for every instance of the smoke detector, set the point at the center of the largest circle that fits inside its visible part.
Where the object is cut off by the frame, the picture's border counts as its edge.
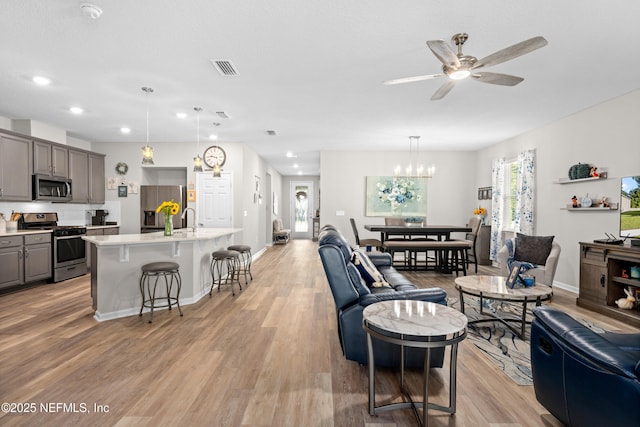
(90, 10)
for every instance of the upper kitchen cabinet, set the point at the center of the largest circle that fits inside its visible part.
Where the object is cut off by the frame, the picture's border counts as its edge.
(15, 168)
(96, 178)
(50, 159)
(86, 171)
(79, 174)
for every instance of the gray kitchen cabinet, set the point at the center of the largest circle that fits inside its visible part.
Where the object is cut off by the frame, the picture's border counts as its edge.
(24, 259)
(15, 168)
(96, 178)
(50, 159)
(11, 261)
(79, 174)
(37, 257)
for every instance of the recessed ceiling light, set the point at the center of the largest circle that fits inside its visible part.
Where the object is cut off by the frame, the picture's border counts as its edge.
(290, 154)
(213, 137)
(76, 110)
(125, 130)
(91, 10)
(299, 172)
(295, 165)
(181, 115)
(42, 81)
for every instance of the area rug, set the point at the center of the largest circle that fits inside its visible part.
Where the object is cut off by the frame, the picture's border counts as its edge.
(497, 342)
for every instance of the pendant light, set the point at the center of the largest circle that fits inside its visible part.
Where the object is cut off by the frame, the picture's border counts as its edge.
(147, 151)
(419, 168)
(197, 160)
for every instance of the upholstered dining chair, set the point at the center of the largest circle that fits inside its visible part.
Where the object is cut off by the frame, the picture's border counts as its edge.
(364, 242)
(472, 237)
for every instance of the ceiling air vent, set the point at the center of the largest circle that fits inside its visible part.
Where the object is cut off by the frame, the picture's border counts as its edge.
(271, 132)
(223, 115)
(225, 67)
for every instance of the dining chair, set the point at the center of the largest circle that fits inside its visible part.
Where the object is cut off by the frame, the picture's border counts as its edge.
(364, 242)
(472, 237)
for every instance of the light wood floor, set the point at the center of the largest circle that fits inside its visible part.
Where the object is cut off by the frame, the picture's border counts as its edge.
(268, 357)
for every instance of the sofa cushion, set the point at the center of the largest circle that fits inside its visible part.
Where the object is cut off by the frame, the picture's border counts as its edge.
(367, 269)
(533, 249)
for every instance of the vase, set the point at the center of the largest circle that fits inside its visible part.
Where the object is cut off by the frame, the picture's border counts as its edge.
(168, 225)
(481, 218)
(396, 209)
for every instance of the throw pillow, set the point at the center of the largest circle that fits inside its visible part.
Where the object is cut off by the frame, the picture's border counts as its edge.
(533, 249)
(367, 269)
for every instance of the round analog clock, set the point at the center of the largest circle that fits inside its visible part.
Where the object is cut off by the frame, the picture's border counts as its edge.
(214, 155)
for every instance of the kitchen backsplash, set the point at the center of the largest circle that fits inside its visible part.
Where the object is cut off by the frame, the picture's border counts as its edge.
(68, 213)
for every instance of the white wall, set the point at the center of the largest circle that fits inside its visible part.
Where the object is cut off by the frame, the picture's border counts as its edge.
(451, 193)
(606, 136)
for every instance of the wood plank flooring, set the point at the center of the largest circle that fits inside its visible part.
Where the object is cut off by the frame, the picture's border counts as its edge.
(267, 357)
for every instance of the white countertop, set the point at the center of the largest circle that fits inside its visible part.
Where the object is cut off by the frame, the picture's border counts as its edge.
(182, 235)
(24, 232)
(98, 227)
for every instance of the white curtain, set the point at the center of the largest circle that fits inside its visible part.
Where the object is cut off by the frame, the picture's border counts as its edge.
(497, 207)
(525, 195)
(525, 199)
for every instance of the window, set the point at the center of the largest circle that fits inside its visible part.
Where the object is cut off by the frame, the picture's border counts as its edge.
(510, 192)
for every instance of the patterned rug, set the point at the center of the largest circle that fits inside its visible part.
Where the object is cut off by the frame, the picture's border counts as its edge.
(499, 343)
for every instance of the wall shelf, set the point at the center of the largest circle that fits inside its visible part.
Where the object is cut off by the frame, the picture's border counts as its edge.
(612, 207)
(603, 175)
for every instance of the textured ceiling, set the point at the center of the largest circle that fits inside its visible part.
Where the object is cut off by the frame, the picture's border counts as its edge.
(310, 70)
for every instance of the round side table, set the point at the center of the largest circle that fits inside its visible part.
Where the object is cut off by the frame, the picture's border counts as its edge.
(416, 324)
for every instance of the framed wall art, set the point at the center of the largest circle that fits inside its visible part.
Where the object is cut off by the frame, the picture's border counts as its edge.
(396, 196)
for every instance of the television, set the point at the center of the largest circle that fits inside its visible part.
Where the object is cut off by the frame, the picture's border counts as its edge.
(630, 208)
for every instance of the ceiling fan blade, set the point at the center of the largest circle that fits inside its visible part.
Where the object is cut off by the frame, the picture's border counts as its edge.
(497, 79)
(443, 52)
(412, 79)
(443, 90)
(511, 52)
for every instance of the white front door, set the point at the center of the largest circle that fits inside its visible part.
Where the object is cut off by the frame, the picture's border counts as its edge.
(214, 200)
(301, 207)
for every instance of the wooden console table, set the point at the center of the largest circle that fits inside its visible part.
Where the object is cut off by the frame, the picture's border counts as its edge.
(601, 281)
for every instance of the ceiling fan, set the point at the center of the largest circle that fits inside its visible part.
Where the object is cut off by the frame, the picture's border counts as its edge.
(459, 66)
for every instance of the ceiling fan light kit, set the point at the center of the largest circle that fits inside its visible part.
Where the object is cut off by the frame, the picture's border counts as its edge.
(458, 66)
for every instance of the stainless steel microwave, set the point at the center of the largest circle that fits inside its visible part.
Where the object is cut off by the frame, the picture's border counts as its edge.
(51, 188)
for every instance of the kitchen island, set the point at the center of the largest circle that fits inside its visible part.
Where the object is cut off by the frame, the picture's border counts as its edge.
(116, 262)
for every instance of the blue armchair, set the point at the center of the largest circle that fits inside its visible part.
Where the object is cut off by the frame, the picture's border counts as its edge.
(351, 295)
(581, 377)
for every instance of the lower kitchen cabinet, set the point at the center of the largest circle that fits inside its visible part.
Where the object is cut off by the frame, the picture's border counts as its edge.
(25, 259)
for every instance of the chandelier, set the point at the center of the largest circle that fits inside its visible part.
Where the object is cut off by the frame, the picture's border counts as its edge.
(197, 161)
(147, 151)
(414, 168)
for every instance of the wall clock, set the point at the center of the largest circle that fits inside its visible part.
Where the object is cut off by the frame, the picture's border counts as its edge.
(214, 155)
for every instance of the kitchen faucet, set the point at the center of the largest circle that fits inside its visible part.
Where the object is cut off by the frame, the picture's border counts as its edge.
(184, 215)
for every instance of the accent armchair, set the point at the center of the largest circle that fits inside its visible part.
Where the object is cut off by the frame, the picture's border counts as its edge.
(544, 273)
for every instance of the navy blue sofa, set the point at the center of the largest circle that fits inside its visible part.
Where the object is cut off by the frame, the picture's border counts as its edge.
(581, 377)
(351, 295)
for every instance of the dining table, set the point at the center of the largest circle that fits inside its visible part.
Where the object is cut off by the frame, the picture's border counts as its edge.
(440, 232)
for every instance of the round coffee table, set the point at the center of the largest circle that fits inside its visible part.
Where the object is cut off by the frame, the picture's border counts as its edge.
(495, 287)
(417, 324)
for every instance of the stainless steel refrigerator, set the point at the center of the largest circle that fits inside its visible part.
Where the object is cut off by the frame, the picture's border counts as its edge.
(151, 196)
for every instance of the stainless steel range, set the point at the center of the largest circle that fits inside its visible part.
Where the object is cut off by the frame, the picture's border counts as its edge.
(69, 250)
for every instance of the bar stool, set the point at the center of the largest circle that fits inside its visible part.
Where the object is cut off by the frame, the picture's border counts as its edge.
(166, 270)
(224, 258)
(244, 266)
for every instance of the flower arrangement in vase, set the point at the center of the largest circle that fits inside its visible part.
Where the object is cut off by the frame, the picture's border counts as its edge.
(168, 209)
(480, 213)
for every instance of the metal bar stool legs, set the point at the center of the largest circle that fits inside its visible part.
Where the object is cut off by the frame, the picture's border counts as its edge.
(222, 260)
(169, 271)
(244, 265)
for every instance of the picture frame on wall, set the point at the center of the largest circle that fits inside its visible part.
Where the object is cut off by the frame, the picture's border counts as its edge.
(122, 191)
